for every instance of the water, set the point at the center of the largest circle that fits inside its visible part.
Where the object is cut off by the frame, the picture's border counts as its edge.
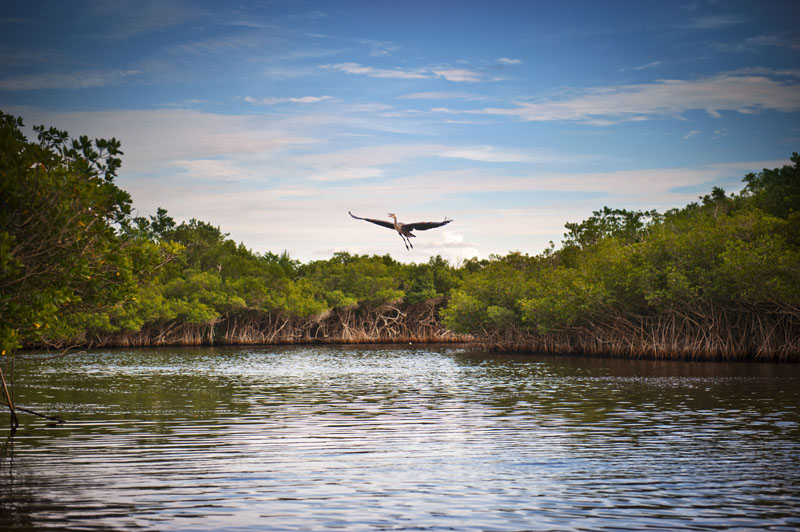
(387, 438)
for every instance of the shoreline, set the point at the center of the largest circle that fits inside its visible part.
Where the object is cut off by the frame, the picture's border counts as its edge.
(33, 352)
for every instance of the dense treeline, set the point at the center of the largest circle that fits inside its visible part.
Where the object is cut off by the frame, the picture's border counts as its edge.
(216, 291)
(719, 278)
(716, 279)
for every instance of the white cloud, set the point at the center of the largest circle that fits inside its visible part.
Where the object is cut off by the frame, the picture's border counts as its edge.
(154, 138)
(363, 162)
(458, 74)
(212, 169)
(645, 186)
(690, 134)
(380, 48)
(285, 72)
(490, 154)
(301, 99)
(651, 64)
(452, 238)
(609, 105)
(355, 68)
(186, 103)
(370, 157)
(450, 74)
(346, 174)
(441, 95)
(508, 61)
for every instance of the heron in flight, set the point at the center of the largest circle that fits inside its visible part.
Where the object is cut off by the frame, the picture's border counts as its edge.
(404, 230)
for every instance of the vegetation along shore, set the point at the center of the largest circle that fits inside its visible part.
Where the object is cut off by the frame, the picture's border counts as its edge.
(716, 279)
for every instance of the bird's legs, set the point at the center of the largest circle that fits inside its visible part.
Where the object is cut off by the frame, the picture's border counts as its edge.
(404, 241)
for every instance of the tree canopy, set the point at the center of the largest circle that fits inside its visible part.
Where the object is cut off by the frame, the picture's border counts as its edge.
(64, 255)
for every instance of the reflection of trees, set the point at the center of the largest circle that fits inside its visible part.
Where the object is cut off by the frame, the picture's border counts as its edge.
(601, 399)
(18, 497)
(31, 496)
(144, 385)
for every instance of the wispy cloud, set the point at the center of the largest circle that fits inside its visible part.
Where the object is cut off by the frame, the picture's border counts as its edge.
(164, 137)
(375, 47)
(66, 80)
(125, 21)
(186, 103)
(758, 42)
(301, 99)
(491, 154)
(458, 74)
(227, 46)
(441, 95)
(389, 73)
(224, 170)
(450, 74)
(346, 174)
(357, 163)
(508, 61)
(651, 64)
(610, 105)
(764, 71)
(714, 22)
(373, 156)
(380, 48)
(15, 57)
(690, 134)
(643, 185)
(286, 72)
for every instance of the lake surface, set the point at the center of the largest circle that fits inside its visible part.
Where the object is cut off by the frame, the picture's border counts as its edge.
(388, 438)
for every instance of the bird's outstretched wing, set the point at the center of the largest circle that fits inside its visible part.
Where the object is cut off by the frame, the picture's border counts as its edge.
(384, 223)
(422, 226)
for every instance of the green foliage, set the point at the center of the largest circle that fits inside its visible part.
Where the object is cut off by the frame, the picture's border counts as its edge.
(627, 226)
(63, 253)
(490, 297)
(730, 252)
(776, 192)
(157, 227)
(372, 280)
(433, 280)
(213, 278)
(465, 313)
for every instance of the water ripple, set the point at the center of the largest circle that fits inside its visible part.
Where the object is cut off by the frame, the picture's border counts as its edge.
(400, 439)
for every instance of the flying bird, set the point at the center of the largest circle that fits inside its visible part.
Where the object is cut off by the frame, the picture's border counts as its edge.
(404, 230)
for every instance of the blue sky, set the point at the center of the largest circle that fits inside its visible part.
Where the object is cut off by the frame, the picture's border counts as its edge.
(273, 119)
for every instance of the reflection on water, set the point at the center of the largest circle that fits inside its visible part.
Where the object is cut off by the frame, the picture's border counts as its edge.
(386, 438)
